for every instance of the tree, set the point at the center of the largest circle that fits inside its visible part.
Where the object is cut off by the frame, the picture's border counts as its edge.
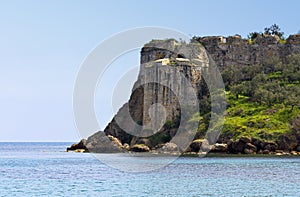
(237, 90)
(292, 101)
(260, 78)
(231, 75)
(293, 97)
(291, 70)
(295, 125)
(253, 35)
(274, 30)
(265, 96)
(270, 63)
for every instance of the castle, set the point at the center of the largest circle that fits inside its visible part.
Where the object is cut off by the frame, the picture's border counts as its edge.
(234, 50)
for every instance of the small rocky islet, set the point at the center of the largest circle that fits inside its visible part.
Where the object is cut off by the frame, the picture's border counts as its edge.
(275, 131)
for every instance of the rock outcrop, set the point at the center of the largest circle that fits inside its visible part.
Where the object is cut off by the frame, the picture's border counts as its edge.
(142, 126)
(169, 148)
(139, 148)
(79, 146)
(154, 108)
(100, 143)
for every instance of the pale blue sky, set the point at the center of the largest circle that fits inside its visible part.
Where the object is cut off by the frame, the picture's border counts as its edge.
(43, 43)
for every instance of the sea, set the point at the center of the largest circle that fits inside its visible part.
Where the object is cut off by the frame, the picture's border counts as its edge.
(45, 169)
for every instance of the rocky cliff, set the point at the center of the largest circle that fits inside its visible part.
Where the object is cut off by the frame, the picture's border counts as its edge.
(153, 114)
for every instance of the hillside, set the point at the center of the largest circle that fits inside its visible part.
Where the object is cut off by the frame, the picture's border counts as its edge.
(262, 102)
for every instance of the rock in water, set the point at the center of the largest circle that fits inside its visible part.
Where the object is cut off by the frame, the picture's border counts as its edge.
(219, 148)
(139, 148)
(250, 149)
(79, 150)
(80, 146)
(100, 143)
(169, 148)
(196, 145)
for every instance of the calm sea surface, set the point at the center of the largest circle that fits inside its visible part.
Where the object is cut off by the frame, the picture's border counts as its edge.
(44, 169)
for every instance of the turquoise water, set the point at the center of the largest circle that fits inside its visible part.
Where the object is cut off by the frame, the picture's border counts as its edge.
(43, 169)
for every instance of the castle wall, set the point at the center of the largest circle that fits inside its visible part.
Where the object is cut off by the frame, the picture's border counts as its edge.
(238, 51)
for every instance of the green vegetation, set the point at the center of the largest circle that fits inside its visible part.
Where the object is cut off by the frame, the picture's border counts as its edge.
(159, 138)
(172, 62)
(273, 30)
(263, 101)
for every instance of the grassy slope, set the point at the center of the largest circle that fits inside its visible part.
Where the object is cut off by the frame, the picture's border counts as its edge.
(246, 118)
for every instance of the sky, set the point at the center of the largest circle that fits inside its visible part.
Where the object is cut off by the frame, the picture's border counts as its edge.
(43, 44)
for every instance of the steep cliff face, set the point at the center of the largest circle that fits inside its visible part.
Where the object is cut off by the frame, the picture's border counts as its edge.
(153, 111)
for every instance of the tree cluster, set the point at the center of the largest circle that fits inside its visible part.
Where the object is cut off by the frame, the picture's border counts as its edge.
(269, 83)
(273, 30)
